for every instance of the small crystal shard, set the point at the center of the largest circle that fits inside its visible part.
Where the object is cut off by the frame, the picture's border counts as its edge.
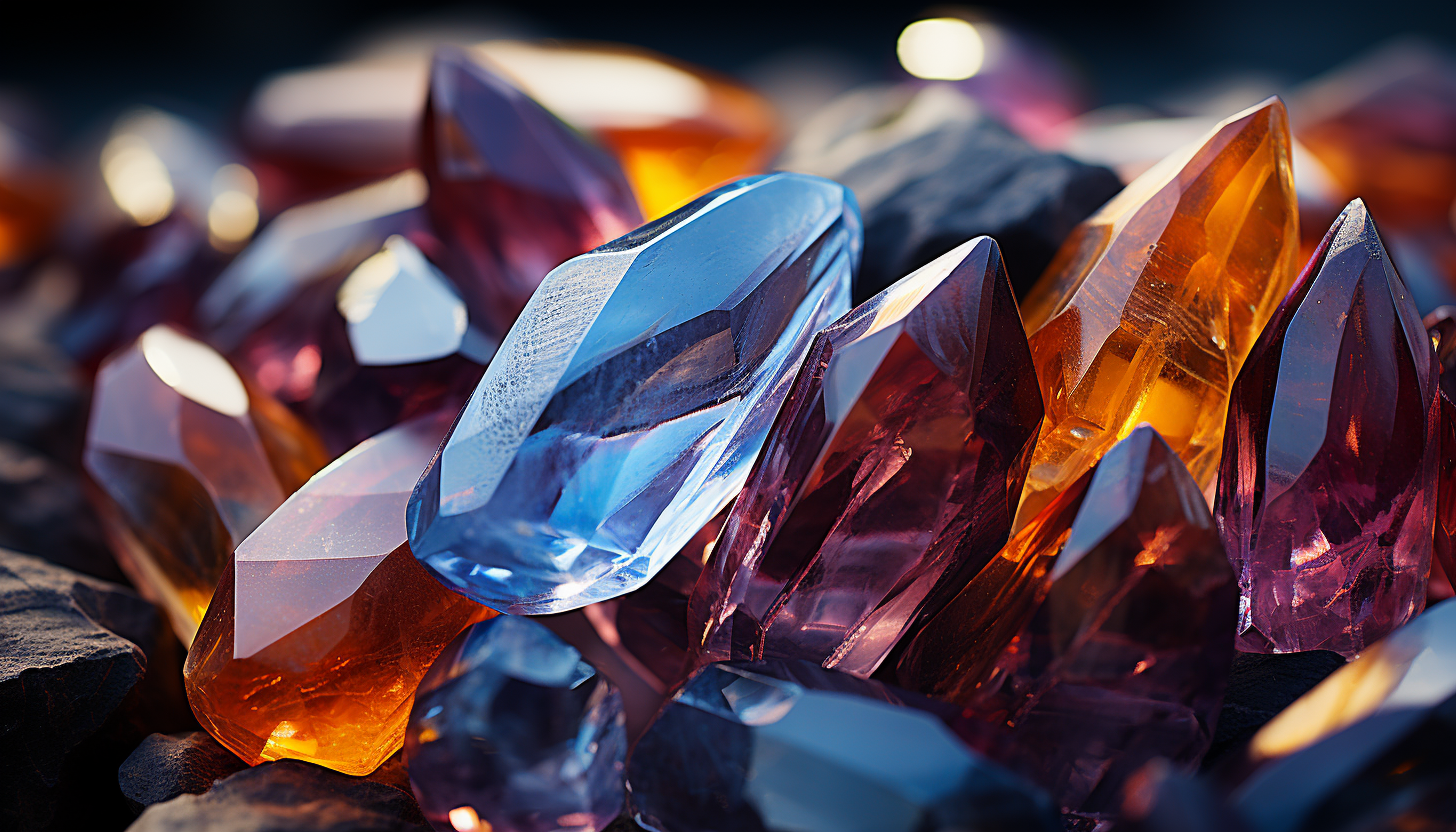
(894, 467)
(626, 405)
(323, 624)
(188, 460)
(1327, 494)
(511, 724)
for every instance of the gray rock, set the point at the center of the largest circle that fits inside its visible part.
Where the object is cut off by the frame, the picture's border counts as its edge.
(1260, 686)
(167, 765)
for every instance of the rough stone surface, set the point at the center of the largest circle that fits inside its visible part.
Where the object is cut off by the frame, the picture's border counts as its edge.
(1260, 686)
(167, 765)
(43, 508)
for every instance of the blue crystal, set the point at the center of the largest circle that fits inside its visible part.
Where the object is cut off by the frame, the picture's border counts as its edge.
(510, 727)
(791, 746)
(628, 402)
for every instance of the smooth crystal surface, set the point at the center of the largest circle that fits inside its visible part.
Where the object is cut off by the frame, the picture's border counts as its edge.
(513, 190)
(187, 460)
(894, 467)
(513, 725)
(1100, 638)
(1327, 493)
(626, 405)
(1153, 301)
(323, 624)
(1441, 327)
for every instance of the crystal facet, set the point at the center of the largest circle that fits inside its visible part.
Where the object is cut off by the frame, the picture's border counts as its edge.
(626, 405)
(187, 460)
(1441, 326)
(323, 623)
(893, 469)
(1152, 303)
(1100, 637)
(511, 724)
(1326, 498)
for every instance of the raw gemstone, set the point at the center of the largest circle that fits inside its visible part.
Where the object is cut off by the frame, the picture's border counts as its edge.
(1152, 303)
(513, 190)
(187, 460)
(794, 747)
(1100, 638)
(626, 405)
(511, 729)
(1441, 327)
(890, 476)
(930, 171)
(1327, 493)
(323, 623)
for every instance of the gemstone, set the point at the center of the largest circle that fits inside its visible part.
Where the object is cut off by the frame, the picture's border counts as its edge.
(773, 747)
(511, 726)
(627, 403)
(1152, 303)
(677, 129)
(513, 190)
(187, 460)
(1327, 494)
(930, 172)
(1441, 326)
(323, 623)
(891, 474)
(1101, 636)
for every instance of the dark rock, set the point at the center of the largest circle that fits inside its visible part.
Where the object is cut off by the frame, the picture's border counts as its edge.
(930, 172)
(62, 675)
(1260, 686)
(1161, 799)
(43, 509)
(284, 796)
(167, 765)
(44, 399)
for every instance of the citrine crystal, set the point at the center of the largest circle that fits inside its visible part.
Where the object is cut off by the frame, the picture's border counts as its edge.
(323, 623)
(893, 469)
(1441, 326)
(513, 190)
(1152, 303)
(187, 460)
(627, 403)
(1326, 498)
(1100, 638)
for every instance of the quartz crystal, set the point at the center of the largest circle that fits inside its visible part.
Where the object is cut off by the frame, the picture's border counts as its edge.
(1152, 303)
(1100, 637)
(187, 460)
(893, 469)
(1327, 493)
(323, 624)
(1441, 326)
(513, 190)
(776, 747)
(628, 402)
(512, 727)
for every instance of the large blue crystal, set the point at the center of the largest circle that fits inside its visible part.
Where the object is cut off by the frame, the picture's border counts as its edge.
(791, 746)
(627, 403)
(512, 731)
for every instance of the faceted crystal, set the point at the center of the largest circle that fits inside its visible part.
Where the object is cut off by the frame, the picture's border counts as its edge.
(187, 460)
(1441, 326)
(779, 747)
(323, 623)
(513, 726)
(1327, 493)
(513, 190)
(891, 474)
(1152, 303)
(629, 400)
(1100, 638)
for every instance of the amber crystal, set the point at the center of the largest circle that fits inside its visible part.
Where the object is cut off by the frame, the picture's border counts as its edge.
(324, 623)
(1152, 303)
(1441, 326)
(187, 460)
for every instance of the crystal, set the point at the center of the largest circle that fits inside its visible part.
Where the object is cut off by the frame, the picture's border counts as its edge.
(1441, 326)
(31, 190)
(1152, 303)
(750, 746)
(1326, 497)
(891, 474)
(187, 460)
(513, 190)
(1099, 638)
(626, 405)
(511, 724)
(323, 623)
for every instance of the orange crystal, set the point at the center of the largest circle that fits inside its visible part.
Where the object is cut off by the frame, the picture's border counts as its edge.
(324, 623)
(187, 459)
(1152, 303)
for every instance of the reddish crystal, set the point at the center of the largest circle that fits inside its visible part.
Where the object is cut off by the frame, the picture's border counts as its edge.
(1441, 326)
(1326, 493)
